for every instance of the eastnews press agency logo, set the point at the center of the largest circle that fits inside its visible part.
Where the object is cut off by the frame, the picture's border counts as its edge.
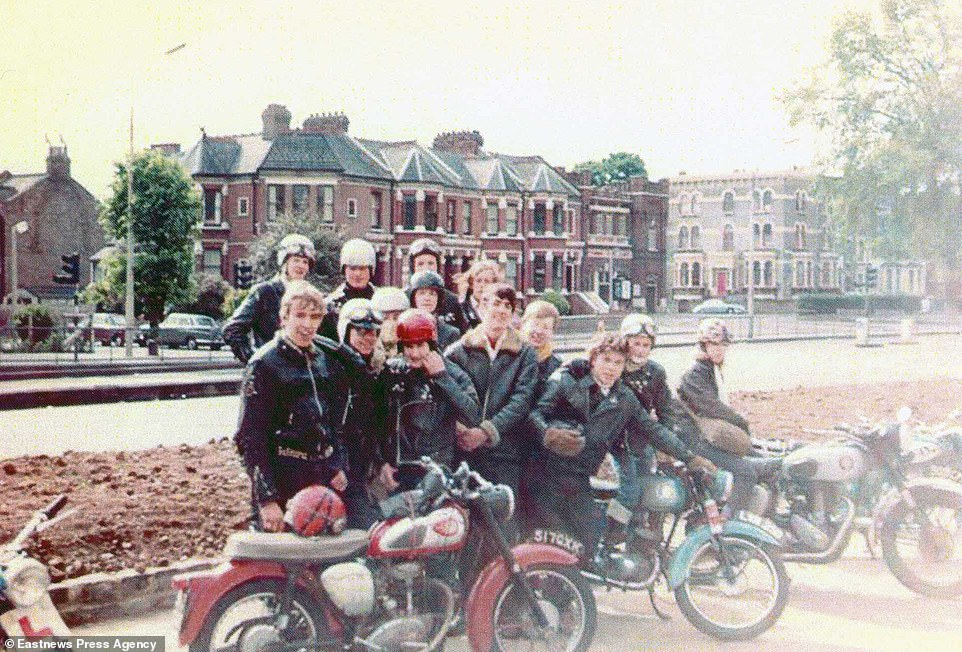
(86, 643)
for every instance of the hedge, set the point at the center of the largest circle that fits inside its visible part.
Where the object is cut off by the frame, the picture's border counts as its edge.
(826, 304)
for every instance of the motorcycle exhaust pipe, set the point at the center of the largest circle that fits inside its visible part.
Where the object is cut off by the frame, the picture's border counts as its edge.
(439, 639)
(835, 550)
(594, 578)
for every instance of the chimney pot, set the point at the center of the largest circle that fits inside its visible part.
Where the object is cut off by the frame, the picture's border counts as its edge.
(276, 120)
(466, 143)
(58, 163)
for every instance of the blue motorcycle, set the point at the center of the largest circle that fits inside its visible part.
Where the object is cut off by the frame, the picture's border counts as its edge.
(727, 574)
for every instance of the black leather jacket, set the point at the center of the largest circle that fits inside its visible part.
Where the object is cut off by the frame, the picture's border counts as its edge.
(337, 298)
(505, 388)
(471, 317)
(425, 411)
(363, 422)
(257, 315)
(699, 392)
(291, 400)
(447, 335)
(567, 402)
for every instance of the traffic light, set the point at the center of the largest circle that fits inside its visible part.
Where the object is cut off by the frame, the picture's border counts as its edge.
(71, 270)
(243, 275)
(871, 277)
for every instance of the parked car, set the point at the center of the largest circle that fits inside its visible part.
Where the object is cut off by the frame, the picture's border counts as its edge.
(109, 328)
(187, 330)
(718, 307)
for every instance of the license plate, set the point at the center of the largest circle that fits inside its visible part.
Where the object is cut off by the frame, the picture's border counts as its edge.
(38, 621)
(762, 523)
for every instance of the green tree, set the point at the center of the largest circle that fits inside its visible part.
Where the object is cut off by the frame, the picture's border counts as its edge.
(889, 96)
(166, 211)
(326, 274)
(212, 291)
(618, 166)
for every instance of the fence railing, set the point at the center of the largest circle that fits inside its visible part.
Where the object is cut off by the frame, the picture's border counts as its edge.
(86, 343)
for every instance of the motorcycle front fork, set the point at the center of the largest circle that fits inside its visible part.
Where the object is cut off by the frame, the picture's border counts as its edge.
(517, 575)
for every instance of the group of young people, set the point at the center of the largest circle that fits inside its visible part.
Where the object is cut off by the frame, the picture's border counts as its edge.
(341, 390)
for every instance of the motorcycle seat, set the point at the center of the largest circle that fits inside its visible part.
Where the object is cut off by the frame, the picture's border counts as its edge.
(287, 546)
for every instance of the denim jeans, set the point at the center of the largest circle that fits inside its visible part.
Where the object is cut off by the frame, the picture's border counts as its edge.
(631, 468)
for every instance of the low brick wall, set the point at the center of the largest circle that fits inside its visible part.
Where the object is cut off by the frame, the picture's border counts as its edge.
(104, 596)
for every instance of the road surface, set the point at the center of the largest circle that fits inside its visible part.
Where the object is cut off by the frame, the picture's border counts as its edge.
(853, 604)
(769, 366)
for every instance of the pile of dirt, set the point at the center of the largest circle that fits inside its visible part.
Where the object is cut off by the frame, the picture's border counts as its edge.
(153, 507)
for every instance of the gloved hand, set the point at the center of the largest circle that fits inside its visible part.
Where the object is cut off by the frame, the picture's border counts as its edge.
(567, 443)
(699, 463)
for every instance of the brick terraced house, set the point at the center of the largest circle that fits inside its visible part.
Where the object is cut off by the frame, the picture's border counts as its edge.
(515, 209)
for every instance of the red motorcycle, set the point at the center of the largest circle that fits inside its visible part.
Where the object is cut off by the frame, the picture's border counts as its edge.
(397, 587)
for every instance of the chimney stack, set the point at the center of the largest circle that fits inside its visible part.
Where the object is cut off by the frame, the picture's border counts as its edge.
(335, 124)
(465, 143)
(58, 163)
(167, 149)
(277, 121)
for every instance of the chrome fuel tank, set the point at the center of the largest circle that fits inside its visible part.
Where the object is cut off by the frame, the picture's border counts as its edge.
(831, 462)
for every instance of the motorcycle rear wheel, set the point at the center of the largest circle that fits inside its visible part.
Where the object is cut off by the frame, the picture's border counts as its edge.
(253, 606)
(713, 603)
(565, 598)
(926, 556)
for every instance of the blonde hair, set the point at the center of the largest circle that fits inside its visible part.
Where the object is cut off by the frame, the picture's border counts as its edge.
(606, 342)
(479, 266)
(541, 309)
(302, 293)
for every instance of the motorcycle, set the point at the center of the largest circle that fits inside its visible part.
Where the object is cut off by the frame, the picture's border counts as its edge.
(875, 480)
(394, 587)
(726, 574)
(26, 609)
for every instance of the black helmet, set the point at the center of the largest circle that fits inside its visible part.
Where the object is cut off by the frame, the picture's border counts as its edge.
(427, 279)
(424, 246)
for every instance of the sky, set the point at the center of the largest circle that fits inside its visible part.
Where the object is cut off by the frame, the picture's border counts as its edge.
(688, 85)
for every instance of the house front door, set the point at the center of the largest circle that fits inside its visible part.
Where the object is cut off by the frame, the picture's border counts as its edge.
(721, 282)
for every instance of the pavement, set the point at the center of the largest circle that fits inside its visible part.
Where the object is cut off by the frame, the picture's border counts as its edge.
(852, 604)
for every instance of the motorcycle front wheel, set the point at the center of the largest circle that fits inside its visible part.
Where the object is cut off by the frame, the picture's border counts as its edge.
(565, 599)
(923, 546)
(244, 620)
(736, 589)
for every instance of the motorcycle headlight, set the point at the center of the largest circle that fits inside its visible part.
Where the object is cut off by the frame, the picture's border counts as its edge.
(501, 499)
(27, 581)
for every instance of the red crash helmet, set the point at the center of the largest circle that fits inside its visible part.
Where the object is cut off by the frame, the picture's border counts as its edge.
(416, 326)
(316, 510)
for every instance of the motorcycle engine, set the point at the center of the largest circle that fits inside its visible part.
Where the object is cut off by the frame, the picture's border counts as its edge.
(351, 588)
(415, 612)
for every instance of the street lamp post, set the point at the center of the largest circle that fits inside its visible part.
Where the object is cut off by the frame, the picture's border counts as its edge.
(19, 228)
(129, 294)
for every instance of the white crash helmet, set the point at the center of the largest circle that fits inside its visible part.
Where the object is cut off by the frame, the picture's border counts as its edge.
(358, 253)
(714, 331)
(390, 299)
(357, 313)
(424, 246)
(295, 244)
(638, 324)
